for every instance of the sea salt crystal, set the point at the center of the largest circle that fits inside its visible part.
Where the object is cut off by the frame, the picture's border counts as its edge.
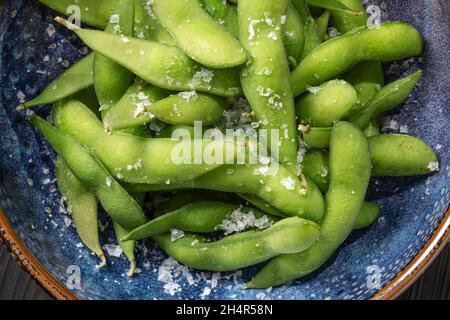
(113, 250)
(288, 183)
(433, 166)
(176, 234)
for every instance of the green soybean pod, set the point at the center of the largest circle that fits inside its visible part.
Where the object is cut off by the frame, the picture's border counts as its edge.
(202, 38)
(262, 205)
(244, 249)
(293, 33)
(163, 66)
(315, 165)
(197, 217)
(265, 79)
(395, 40)
(93, 12)
(374, 128)
(127, 247)
(185, 108)
(345, 22)
(114, 199)
(401, 155)
(168, 131)
(349, 178)
(317, 137)
(82, 205)
(367, 216)
(312, 35)
(147, 27)
(140, 160)
(367, 78)
(111, 80)
(130, 111)
(322, 23)
(388, 98)
(173, 201)
(330, 102)
(281, 188)
(75, 79)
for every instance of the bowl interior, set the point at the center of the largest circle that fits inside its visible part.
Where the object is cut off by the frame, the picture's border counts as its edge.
(34, 50)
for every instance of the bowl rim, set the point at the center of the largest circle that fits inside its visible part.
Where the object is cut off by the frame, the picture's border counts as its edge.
(402, 281)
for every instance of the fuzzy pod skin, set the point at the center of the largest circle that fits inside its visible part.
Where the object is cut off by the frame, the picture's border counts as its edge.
(262, 205)
(394, 41)
(244, 249)
(197, 217)
(111, 80)
(265, 78)
(114, 199)
(401, 155)
(150, 159)
(200, 37)
(83, 207)
(77, 78)
(388, 98)
(333, 102)
(163, 66)
(350, 168)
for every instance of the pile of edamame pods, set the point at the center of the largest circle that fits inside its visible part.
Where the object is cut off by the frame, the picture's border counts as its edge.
(172, 63)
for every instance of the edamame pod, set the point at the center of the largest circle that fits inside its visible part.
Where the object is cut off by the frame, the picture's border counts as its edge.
(350, 173)
(138, 160)
(114, 199)
(312, 36)
(373, 129)
(75, 79)
(395, 40)
(318, 138)
(244, 249)
(203, 40)
(168, 131)
(128, 247)
(401, 155)
(388, 98)
(265, 79)
(131, 110)
(367, 216)
(147, 27)
(328, 103)
(281, 189)
(163, 66)
(111, 80)
(366, 77)
(198, 217)
(293, 33)
(82, 205)
(316, 166)
(322, 23)
(393, 155)
(262, 205)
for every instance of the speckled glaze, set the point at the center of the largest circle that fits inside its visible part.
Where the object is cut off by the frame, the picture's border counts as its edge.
(34, 51)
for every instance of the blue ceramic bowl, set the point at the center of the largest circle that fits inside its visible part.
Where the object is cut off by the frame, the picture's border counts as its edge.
(378, 262)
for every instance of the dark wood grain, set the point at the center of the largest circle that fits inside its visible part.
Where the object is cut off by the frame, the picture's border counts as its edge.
(15, 284)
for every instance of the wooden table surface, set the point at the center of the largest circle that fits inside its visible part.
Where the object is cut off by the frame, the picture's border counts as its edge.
(18, 285)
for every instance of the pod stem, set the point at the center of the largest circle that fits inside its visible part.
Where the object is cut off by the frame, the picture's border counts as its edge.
(102, 262)
(67, 24)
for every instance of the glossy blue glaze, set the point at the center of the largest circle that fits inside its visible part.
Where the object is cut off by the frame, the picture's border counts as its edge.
(34, 50)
